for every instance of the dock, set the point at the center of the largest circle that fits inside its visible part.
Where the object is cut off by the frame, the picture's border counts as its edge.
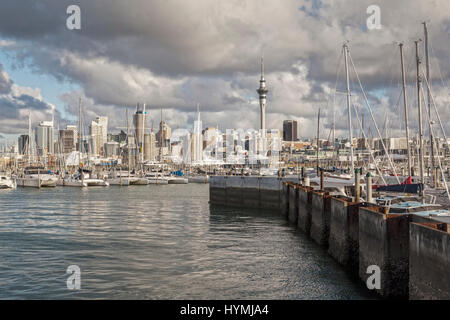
(408, 242)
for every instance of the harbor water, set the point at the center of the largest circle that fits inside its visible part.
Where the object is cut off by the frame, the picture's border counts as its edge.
(157, 242)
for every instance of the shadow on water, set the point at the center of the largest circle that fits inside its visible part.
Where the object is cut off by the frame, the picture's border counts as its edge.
(312, 267)
(157, 242)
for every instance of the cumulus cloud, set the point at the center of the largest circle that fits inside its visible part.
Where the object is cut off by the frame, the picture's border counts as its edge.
(174, 54)
(17, 103)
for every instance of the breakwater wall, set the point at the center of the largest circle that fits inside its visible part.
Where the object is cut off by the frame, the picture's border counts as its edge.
(411, 252)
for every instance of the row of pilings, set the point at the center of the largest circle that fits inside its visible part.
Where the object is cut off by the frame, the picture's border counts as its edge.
(411, 252)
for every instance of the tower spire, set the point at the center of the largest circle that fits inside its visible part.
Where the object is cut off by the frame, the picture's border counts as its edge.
(262, 67)
(262, 92)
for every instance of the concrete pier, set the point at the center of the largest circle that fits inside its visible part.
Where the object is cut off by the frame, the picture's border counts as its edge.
(411, 250)
(429, 261)
(293, 203)
(249, 192)
(285, 199)
(384, 242)
(304, 208)
(344, 231)
(320, 217)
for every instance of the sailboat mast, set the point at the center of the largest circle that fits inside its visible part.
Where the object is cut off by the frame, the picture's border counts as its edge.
(427, 61)
(318, 131)
(29, 138)
(348, 108)
(405, 105)
(144, 119)
(128, 144)
(160, 137)
(80, 145)
(419, 106)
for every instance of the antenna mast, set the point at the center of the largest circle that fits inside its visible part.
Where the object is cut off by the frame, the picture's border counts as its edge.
(406, 108)
(419, 106)
(349, 109)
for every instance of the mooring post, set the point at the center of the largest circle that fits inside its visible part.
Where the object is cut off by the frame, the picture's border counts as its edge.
(357, 187)
(306, 180)
(369, 187)
(303, 175)
(322, 186)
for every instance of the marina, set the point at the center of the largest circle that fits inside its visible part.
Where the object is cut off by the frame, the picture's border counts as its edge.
(224, 151)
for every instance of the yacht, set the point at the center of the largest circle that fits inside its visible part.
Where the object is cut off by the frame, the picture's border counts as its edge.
(156, 178)
(37, 177)
(83, 178)
(7, 182)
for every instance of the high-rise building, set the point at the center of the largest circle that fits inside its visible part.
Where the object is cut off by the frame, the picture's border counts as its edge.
(67, 140)
(23, 143)
(120, 137)
(103, 121)
(98, 131)
(197, 140)
(164, 135)
(139, 121)
(290, 130)
(44, 138)
(111, 149)
(149, 146)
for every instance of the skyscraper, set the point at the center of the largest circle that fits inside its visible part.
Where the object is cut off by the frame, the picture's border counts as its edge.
(99, 134)
(44, 138)
(139, 121)
(164, 135)
(197, 143)
(289, 130)
(67, 140)
(23, 143)
(262, 91)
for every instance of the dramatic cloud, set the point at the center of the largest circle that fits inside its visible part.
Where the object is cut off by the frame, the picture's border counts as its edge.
(174, 54)
(17, 103)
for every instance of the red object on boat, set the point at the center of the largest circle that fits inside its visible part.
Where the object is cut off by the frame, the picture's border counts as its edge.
(407, 181)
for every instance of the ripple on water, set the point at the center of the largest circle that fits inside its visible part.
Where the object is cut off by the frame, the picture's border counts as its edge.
(157, 242)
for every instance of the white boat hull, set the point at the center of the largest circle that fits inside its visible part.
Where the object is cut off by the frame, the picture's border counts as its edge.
(177, 180)
(124, 181)
(37, 183)
(157, 181)
(140, 181)
(96, 183)
(8, 184)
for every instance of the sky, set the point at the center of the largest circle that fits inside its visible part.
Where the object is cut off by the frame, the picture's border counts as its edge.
(174, 54)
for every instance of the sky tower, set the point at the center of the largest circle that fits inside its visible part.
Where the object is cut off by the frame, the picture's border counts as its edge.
(262, 91)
